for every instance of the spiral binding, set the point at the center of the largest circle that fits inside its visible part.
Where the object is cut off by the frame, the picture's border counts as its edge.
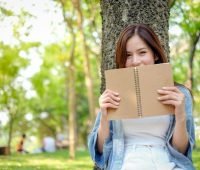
(138, 94)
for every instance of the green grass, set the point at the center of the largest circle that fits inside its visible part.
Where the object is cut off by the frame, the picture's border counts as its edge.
(46, 161)
(59, 161)
(196, 158)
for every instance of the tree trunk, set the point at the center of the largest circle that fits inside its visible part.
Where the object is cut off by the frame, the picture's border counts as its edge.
(194, 40)
(87, 70)
(72, 113)
(10, 133)
(10, 125)
(116, 15)
(72, 103)
(71, 86)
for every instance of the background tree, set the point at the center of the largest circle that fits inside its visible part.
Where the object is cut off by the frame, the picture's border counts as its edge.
(13, 99)
(185, 46)
(87, 68)
(79, 36)
(71, 79)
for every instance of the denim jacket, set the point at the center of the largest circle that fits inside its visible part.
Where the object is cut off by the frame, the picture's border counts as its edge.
(113, 148)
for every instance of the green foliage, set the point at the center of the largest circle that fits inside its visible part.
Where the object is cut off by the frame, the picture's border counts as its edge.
(185, 16)
(10, 63)
(49, 84)
(13, 96)
(5, 12)
(191, 20)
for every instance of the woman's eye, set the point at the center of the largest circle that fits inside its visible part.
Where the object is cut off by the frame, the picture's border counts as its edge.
(142, 52)
(128, 56)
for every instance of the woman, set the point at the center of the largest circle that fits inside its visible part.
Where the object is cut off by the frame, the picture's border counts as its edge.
(159, 142)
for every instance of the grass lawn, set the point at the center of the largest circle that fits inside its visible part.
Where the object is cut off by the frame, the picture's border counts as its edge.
(58, 161)
(196, 158)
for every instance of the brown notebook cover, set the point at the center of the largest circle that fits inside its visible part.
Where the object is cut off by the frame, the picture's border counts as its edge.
(137, 88)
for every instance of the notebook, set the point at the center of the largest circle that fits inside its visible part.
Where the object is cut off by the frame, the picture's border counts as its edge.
(137, 88)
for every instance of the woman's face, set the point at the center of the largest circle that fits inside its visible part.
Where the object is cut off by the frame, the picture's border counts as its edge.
(138, 53)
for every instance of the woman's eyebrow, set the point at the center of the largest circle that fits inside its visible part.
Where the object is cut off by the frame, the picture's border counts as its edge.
(141, 49)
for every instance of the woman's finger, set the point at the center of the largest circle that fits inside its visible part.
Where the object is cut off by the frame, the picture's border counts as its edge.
(112, 96)
(171, 88)
(110, 100)
(169, 102)
(170, 97)
(111, 92)
(110, 105)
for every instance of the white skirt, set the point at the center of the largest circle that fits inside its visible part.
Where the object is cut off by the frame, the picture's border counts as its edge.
(147, 157)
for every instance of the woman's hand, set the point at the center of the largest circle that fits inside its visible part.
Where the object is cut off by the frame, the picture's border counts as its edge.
(173, 96)
(109, 99)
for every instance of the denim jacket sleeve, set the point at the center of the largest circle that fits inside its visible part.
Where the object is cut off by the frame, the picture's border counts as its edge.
(189, 121)
(101, 160)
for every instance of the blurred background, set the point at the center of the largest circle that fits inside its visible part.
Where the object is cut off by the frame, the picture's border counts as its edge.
(50, 51)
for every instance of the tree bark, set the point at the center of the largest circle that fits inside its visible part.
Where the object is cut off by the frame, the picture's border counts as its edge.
(116, 15)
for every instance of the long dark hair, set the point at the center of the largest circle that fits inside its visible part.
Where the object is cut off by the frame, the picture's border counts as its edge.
(147, 35)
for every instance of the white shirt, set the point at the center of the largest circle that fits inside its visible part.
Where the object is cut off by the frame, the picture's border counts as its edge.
(139, 134)
(147, 131)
